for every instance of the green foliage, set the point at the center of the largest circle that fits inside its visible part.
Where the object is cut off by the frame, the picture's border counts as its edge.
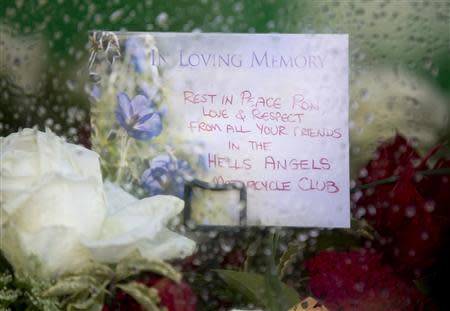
(266, 290)
(8, 294)
(83, 290)
(347, 238)
(293, 249)
(25, 294)
(251, 252)
(131, 267)
(147, 297)
(71, 285)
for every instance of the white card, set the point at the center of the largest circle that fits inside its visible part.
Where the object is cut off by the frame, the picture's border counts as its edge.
(268, 110)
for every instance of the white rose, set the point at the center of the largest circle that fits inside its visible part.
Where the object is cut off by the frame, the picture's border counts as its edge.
(54, 207)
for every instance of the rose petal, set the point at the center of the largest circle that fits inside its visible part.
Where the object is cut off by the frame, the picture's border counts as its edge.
(34, 153)
(151, 214)
(19, 163)
(167, 245)
(124, 230)
(61, 254)
(59, 200)
(58, 255)
(116, 197)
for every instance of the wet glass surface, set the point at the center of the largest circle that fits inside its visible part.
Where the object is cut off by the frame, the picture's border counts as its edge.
(398, 249)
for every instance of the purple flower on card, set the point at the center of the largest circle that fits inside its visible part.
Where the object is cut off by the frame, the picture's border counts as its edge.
(135, 49)
(138, 116)
(166, 175)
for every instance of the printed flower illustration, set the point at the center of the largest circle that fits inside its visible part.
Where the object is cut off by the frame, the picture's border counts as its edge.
(166, 175)
(138, 116)
(135, 49)
(358, 280)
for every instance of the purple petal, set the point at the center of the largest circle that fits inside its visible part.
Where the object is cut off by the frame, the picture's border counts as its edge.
(161, 160)
(150, 184)
(125, 105)
(144, 118)
(121, 119)
(153, 125)
(141, 105)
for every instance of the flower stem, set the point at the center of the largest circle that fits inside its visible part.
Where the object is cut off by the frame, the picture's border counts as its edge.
(124, 146)
(392, 179)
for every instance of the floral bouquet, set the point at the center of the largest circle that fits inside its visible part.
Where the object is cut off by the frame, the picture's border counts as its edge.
(70, 241)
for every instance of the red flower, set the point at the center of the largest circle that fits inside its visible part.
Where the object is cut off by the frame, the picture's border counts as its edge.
(409, 224)
(175, 297)
(358, 280)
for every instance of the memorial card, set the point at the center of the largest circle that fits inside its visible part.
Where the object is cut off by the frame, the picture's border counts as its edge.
(265, 111)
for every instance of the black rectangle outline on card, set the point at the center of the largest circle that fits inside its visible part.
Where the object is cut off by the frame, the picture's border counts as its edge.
(232, 186)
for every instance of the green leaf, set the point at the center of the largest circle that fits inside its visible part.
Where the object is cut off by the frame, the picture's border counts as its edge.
(274, 239)
(92, 303)
(147, 297)
(71, 285)
(88, 300)
(272, 290)
(249, 284)
(96, 270)
(255, 289)
(133, 266)
(288, 257)
(251, 252)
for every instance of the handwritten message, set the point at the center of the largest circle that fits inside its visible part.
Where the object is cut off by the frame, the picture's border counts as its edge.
(271, 112)
(268, 117)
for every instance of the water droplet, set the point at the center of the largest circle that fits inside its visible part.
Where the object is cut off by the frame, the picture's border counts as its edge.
(116, 15)
(429, 206)
(360, 212)
(410, 211)
(162, 19)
